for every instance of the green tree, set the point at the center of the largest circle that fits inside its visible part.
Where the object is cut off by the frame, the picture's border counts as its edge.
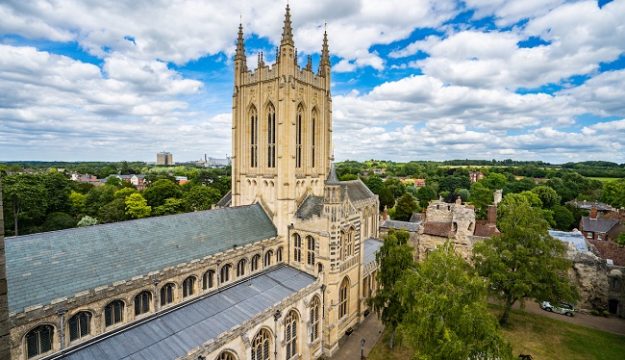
(495, 181)
(481, 197)
(160, 190)
(200, 197)
(171, 206)
(58, 221)
(405, 206)
(78, 202)
(386, 198)
(348, 177)
(375, 184)
(614, 193)
(58, 188)
(395, 186)
(137, 207)
(523, 261)
(124, 193)
(464, 194)
(395, 256)
(563, 217)
(621, 239)
(25, 201)
(445, 311)
(113, 211)
(425, 194)
(548, 196)
(98, 197)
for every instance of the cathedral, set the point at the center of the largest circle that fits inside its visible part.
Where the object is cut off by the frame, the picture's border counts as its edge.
(281, 269)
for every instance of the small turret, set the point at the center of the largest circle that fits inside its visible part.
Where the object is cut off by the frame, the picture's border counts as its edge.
(309, 63)
(287, 29)
(324, 63)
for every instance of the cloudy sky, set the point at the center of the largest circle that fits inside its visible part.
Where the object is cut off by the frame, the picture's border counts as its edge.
(412, 79)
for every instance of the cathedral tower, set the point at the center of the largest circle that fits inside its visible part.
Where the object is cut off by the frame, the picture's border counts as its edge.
(281, 129)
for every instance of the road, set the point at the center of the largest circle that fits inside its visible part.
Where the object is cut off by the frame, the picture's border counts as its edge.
(612, 324)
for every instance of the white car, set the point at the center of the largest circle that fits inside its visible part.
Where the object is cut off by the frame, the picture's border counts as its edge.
(560, 308)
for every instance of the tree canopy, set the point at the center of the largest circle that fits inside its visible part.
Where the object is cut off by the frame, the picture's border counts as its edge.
(523, 261)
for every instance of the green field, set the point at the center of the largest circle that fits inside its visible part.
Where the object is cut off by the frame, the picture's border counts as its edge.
(604, 179)
(542, 337)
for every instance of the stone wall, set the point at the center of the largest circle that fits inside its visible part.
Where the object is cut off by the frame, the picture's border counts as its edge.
(590, 273)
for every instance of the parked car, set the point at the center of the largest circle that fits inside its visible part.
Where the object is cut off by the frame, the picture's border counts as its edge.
(560, 308)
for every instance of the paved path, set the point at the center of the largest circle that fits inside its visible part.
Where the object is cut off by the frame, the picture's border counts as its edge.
(371, 330)
(612, 324)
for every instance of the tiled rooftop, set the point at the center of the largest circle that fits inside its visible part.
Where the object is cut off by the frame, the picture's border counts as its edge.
(47, 266)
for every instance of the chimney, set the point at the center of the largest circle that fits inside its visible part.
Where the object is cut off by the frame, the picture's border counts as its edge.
(593, 212)
(492, 214)
(5, 348)
(458, 200)
(385, 214)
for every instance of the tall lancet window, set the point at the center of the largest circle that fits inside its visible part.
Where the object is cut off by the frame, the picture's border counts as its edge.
(253, 137)
(298, 137)
(313, 138)
(271, 136)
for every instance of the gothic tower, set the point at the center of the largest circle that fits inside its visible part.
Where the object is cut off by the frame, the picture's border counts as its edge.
(281, 129)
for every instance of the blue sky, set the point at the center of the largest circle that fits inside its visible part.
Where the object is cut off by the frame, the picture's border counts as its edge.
(412, 80)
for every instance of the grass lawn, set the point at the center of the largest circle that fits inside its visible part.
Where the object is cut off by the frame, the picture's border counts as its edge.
(604, 179)
(543, 338)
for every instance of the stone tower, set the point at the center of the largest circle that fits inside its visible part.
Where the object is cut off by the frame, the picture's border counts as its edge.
(281, 129)
(4, 304)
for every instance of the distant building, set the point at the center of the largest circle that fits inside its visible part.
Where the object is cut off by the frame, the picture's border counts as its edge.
(588, 205)
(86, 179)
(164, 158)
(600, 228)
(181, 180)
(419, 182)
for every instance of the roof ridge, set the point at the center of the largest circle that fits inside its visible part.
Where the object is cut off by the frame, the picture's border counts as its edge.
(116, 223)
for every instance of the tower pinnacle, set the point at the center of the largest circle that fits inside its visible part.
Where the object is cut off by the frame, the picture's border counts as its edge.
(240, 52)
(287, 29)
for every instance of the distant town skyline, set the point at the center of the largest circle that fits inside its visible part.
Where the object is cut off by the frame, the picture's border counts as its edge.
(416, 80)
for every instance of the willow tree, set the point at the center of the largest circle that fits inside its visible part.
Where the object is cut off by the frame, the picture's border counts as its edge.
(445, 311)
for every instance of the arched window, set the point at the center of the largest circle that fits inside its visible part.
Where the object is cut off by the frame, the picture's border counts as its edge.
(188, 286)
(314, 319)
(310, 243)
(343, 298)
(167, 294)
(313, 138)
(268, 256)
(271, 136)
(290, 336)
(225, 273)
(241, 267)
(114, 313)
(297, 248)
(253, 137)
(226, 355)
(208, 279)
(39, 340)
(279, 254)
(79, 325)
(298, 137)
(261, 345)
(255, 261)
(142, 302)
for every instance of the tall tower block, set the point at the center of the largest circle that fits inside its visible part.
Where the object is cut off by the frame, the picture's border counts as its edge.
(281, 129)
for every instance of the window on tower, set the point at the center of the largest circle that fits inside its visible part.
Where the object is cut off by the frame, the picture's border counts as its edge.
(253, 137)
(298, 137)
(271, 136)
(313, 138)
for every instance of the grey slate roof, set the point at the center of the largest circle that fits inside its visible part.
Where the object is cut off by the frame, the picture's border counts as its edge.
(357, 190)
(313, 205)
(599, 225)
(175, 333)
(574, 237)
(371, 248)
(46, 266)
(401, 225)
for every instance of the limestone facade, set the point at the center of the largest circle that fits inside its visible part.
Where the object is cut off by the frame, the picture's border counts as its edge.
(4, 307)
